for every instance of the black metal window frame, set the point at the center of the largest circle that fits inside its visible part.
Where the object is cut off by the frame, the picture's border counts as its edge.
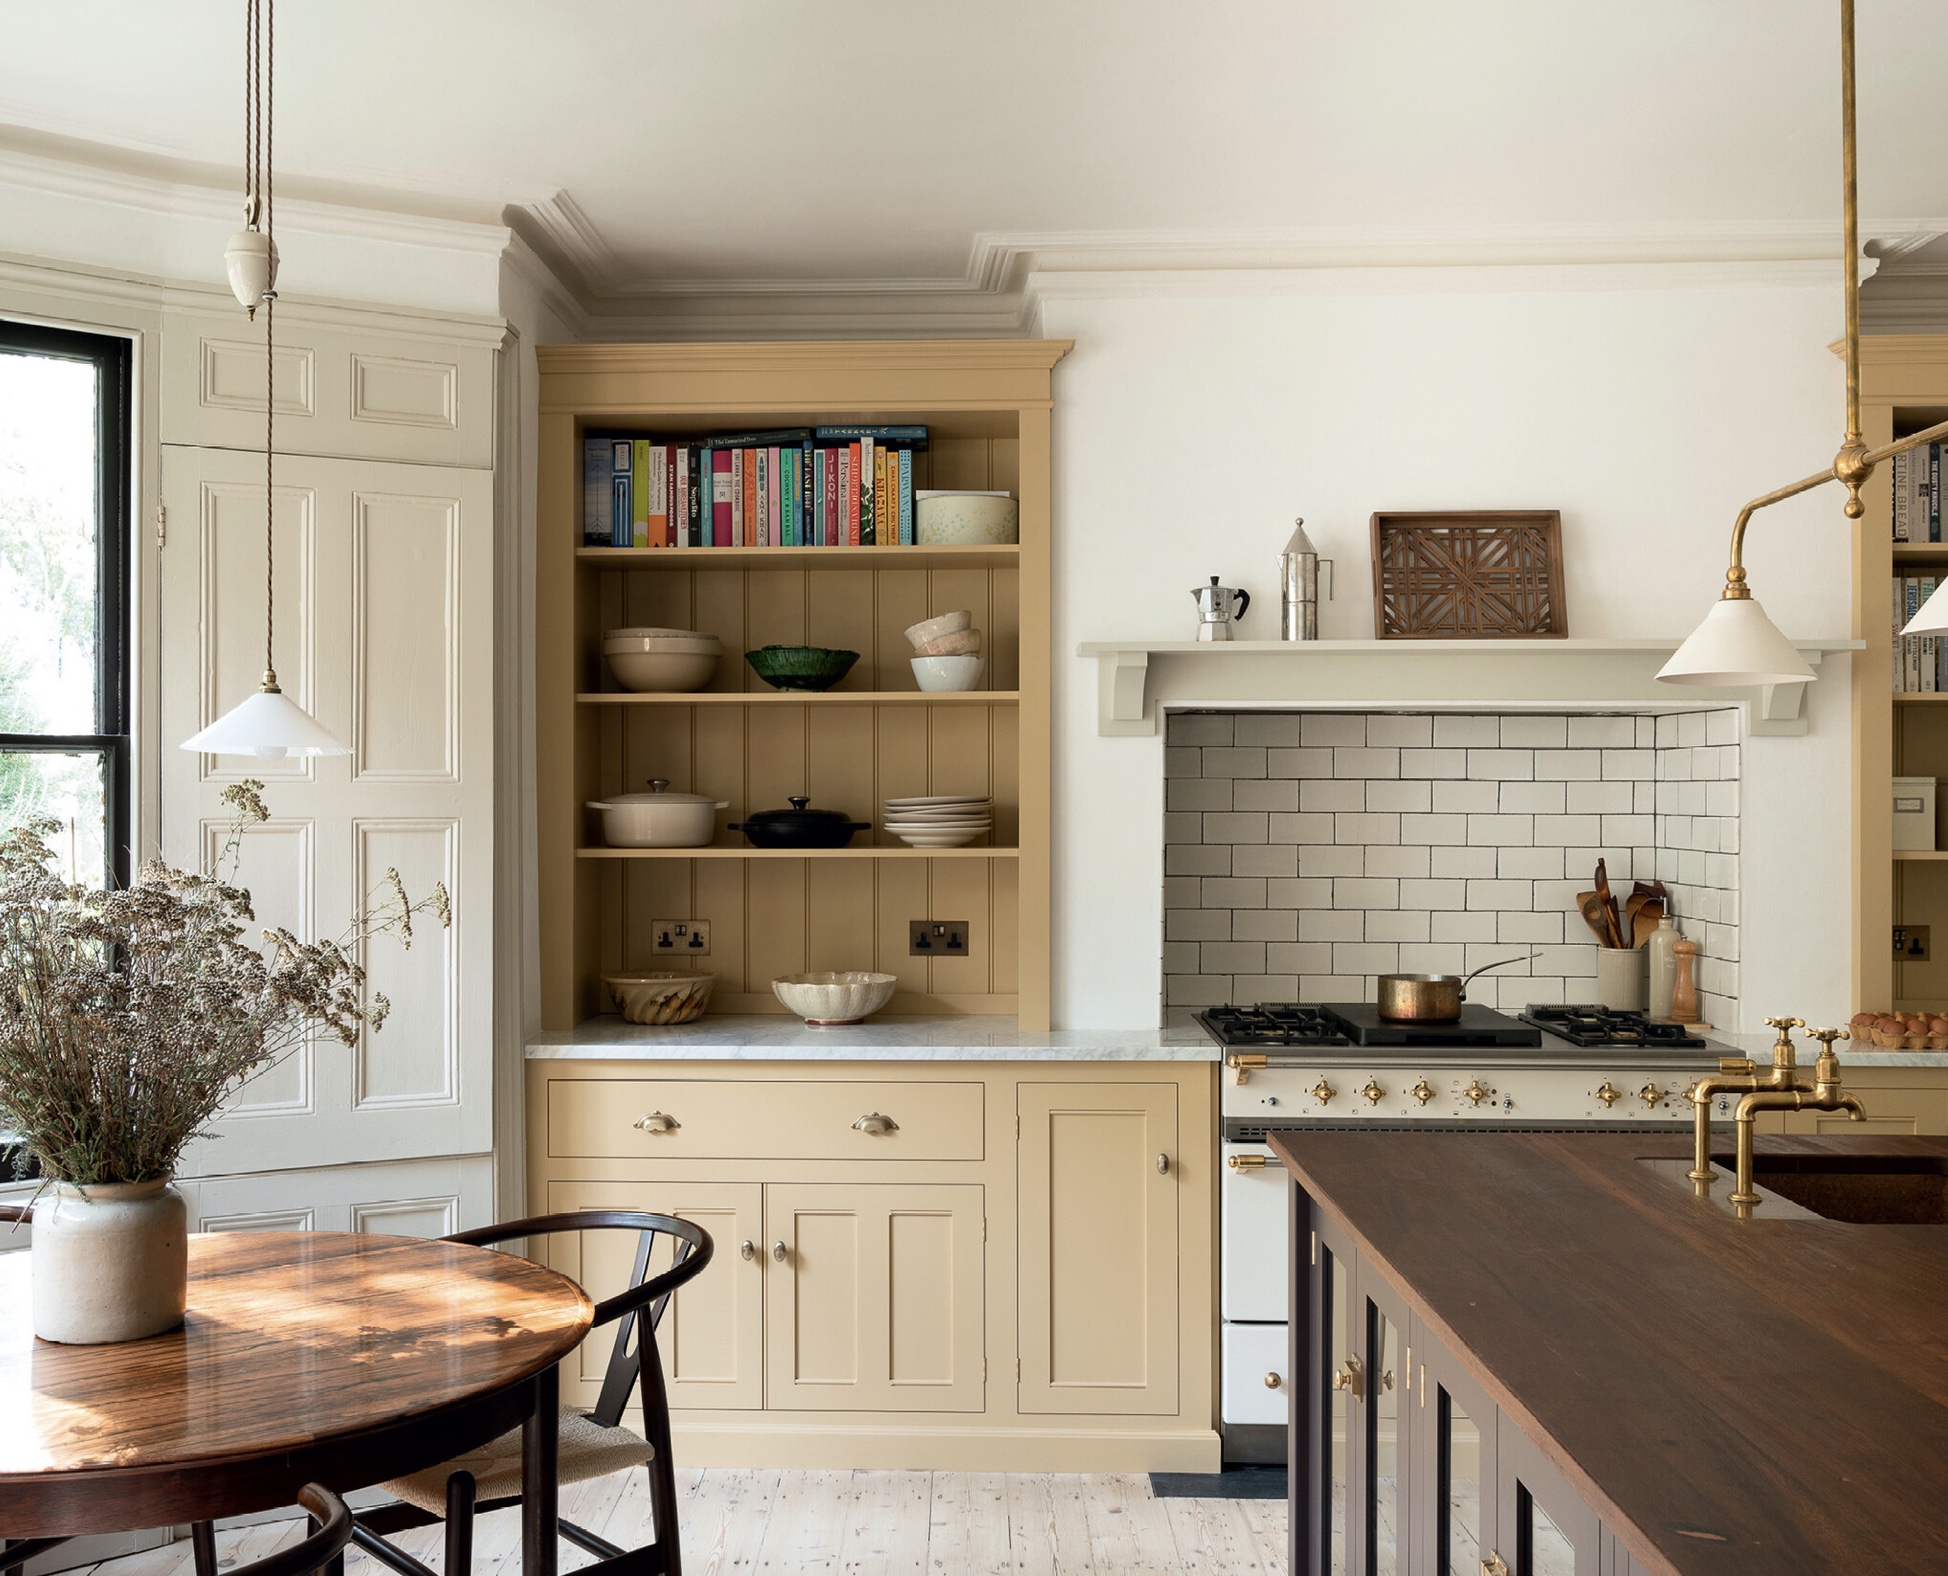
(112, 358)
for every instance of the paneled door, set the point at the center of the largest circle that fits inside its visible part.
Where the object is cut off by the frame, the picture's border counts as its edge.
(712, 1334)
(1098, 1246)
(874, 1297)
(384, 607)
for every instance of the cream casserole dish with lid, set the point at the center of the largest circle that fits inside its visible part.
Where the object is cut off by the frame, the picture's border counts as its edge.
(659, 818)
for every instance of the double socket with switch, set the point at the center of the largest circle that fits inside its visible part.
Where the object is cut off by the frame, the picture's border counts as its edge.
(937, 938)
(1910, 943)
(688, 938)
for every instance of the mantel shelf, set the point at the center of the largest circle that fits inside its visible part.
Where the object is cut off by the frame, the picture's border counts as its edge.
(1137, 678)
(863, 851)
(805, 698)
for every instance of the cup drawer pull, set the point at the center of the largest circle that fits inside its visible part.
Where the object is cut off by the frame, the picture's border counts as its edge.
(658, 1122)
(872, 1122)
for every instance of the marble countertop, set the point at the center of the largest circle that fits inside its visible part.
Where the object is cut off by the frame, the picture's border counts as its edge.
(774, 1037)
(1758, 1046)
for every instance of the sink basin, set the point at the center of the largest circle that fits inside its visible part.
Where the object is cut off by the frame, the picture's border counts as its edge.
(1862, 1190)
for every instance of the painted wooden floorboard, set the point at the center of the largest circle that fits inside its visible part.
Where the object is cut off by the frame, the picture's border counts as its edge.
(767, 1523)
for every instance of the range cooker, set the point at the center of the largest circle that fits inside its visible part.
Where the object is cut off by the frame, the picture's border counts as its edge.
(1340, 1064)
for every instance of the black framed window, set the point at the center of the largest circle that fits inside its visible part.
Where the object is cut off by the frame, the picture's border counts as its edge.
(64, 553)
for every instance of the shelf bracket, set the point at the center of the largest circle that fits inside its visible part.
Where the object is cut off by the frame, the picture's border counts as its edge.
(1121, 704)
(1781, 708)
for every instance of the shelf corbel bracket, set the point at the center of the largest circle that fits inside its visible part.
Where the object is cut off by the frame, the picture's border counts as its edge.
(1781, 708)
(1121, 702)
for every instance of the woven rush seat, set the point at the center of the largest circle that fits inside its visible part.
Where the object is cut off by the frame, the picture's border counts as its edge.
(588, 1450)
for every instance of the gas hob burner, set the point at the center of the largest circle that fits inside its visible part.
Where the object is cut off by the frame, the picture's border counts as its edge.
(1271, 1023)
(1593, 1025)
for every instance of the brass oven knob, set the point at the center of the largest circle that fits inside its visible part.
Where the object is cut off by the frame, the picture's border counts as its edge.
(1323, 1092)
(1422, 1092)
(1650, 1094)
(1609, 1094)
(1373, 1092)
(1474, 1094)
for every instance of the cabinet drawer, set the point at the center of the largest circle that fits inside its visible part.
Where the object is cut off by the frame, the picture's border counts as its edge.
(723, 1119)
(1252, 1354)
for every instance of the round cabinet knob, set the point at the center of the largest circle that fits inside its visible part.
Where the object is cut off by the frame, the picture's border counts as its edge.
(747, 1250)
(1475, 1093)
(1609, 1094)
(872, 1122)
(1373, 1092)
(1422, 1092)
(1347, 1377)
(1650, 1094)
(658, 1122)
(1163, 1165)
(1323, 1092)
(1273, 1381)
(778, 1251)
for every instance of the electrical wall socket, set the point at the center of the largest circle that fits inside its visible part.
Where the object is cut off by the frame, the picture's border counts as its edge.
(1911, 943)
(688, 938)
(937, 938)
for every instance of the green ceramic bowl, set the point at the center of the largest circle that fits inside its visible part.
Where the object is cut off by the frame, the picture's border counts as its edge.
(801, 667)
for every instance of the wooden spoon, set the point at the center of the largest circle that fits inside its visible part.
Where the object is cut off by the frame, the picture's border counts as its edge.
(1649, 916)
(1590, 906)
(1612, 926)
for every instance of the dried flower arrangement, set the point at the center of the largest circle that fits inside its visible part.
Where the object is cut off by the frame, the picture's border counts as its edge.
(128, 1018)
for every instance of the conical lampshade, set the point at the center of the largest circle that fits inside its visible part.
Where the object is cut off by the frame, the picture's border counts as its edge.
(268, 725)
(1932, 617)
(1736, 645)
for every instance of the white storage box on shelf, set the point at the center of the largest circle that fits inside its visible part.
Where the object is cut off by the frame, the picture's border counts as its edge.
(1914, 814)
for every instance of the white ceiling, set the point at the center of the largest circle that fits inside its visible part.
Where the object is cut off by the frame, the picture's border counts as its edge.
(845, 140)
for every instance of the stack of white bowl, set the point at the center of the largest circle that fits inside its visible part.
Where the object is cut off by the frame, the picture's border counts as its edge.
(665, 660)
(946, 653)
(947, 820)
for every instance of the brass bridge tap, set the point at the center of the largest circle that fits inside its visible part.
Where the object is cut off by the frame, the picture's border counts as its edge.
(1737, 1075)
(1792, 1095)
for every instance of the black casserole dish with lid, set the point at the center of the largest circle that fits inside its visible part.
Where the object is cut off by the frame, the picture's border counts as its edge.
(800, 827)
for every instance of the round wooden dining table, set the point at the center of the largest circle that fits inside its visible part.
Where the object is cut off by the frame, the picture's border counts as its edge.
(328, 1357)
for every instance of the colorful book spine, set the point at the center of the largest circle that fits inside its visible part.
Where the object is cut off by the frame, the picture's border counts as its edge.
(788, 495)
(1903, 514)
(807, 486)
(750, 483)
(1900, 604)
(701, 506)
(863, 469)
(775, 493)
(622, 461)
(721, 493)
(1912, 654)
(595, 492)
(1934, 492)
(639, 493)
(886, 530)
(834, 499)
(742, 516)
(761, 536)
(670, 516)
(1924, 679)
(917, 436)
(906, 497)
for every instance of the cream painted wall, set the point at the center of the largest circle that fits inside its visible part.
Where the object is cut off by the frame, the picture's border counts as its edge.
(1646, 404)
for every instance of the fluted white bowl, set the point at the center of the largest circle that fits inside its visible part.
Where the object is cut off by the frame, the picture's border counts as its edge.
(826, 1000)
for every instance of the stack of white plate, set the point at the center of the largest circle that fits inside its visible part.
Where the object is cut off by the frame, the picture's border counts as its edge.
(946, 820)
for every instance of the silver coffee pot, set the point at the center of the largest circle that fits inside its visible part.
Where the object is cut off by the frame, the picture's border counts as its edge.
(1218, 607)
(1298, 586)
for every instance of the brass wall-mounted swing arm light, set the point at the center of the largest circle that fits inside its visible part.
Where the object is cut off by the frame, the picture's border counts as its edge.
(1737, 644)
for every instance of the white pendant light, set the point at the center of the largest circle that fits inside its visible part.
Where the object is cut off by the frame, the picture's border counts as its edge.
(268, 724)
(1736, 645)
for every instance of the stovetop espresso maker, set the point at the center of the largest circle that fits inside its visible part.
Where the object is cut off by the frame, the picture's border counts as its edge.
(1218, 608)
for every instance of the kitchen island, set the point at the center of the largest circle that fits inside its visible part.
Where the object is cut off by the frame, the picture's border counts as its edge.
(1541, 1353)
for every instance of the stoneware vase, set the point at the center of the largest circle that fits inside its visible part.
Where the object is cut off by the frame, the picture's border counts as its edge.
(110, 1262)
(1622, 978)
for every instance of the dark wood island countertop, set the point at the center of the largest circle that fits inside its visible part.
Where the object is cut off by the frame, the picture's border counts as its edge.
(1762, 1397)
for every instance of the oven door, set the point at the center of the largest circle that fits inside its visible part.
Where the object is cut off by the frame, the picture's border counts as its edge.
(1256, 1209)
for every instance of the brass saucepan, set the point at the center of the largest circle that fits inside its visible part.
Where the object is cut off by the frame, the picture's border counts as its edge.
(1432, 998)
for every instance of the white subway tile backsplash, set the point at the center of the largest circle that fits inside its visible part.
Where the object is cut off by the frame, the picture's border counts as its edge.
(1414, 731)
(1267, 727)
(1334, 728)
(1332, 793)
(1306, 853)
(1534, 733)
(1265, 793)
(1467, 798)
(1199, 727)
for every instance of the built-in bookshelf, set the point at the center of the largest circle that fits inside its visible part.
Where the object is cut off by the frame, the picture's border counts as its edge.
(1898, 732)
(985, 406)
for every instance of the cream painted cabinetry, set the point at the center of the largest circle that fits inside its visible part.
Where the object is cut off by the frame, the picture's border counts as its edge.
(1904, 1100)
(1005, 1279)
(1100, 1178)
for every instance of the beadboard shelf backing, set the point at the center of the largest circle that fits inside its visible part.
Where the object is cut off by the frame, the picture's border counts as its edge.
(874, 737)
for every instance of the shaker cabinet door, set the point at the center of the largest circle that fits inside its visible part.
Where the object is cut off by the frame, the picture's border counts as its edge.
(1543, 1527)
(1454, 1427)
(1098, 1273)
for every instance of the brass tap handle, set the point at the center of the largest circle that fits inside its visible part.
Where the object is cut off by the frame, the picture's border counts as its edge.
(1782, 1052)
(1475, 1093)
(1609, 1094)
(1783, 1024)
(1826, 1037)
(1373, 1092)
(1323, 1092)
(1422, 1092)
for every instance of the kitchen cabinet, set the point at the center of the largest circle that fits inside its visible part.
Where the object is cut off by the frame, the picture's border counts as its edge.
(1100, 1174)
(1001, 1277)
(1404, 1464)
(874, 1297)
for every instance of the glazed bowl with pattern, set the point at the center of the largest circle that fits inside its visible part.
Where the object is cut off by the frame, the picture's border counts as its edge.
(942, 624)
(801, 667)
(827, 1000)
(965, 519)
(660, 999)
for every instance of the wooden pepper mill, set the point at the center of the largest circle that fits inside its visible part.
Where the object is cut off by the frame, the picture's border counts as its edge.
(1684, 980)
